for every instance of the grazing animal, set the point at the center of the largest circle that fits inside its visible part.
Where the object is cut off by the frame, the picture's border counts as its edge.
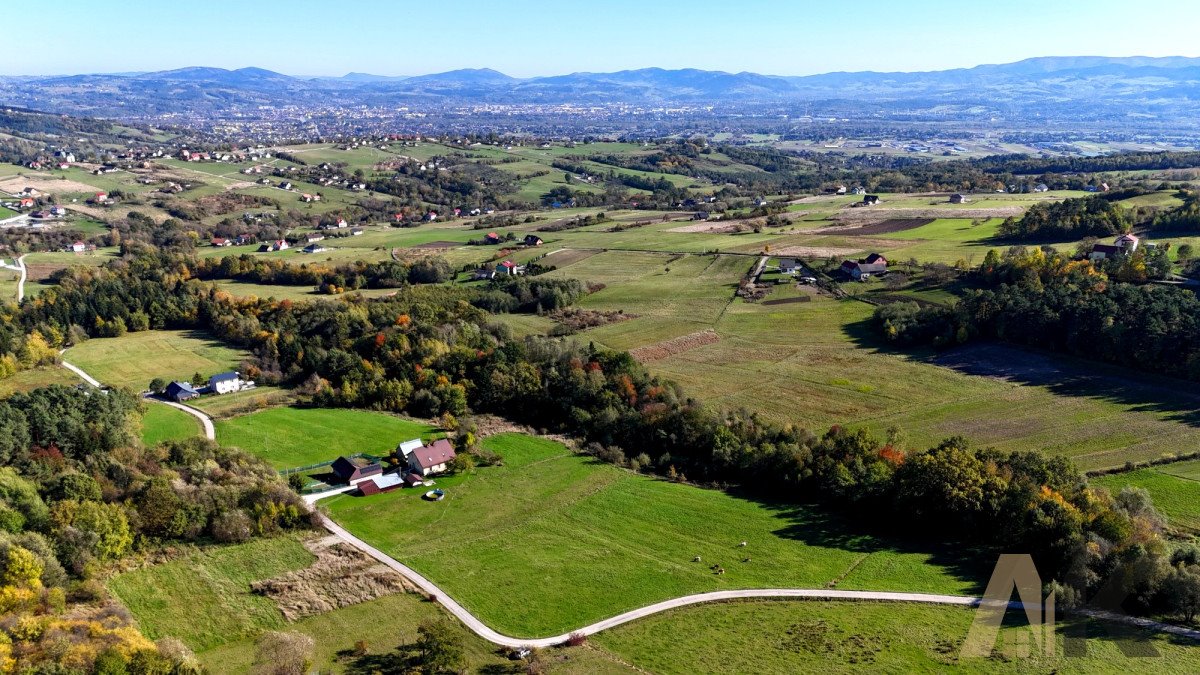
(742, 545)
(746, 560)
(696, 559)
(720, 570)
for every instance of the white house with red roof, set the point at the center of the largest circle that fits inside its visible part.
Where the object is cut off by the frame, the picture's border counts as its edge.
(432, 458)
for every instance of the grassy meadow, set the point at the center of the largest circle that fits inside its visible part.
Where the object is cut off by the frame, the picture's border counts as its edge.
(44, 376)
(164, 423)
(134, 359)
(577, 541)
(850, 637)
(291, 437)
(1175, 489)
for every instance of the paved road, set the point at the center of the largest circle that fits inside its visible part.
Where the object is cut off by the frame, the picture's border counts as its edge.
(79, 371)
(21, 282)
(210, 432)
(482, 630)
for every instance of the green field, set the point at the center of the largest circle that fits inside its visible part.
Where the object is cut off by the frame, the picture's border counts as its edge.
(164, 423)
(292, 437)
(846, 637)
(204, 599)
(578, 541)
(45, 376)
(136, 358)
(1175, 489)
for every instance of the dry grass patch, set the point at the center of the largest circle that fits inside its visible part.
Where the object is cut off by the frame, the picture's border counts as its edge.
(667, 348)
(882, 213)
(340, 576)
(814, 251)
(47, 184)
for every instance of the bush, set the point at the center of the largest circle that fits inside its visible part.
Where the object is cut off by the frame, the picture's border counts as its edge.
(232, 526)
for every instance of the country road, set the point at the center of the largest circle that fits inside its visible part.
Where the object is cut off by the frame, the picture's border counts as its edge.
(482, 630)
(210, 431)
(21, 281)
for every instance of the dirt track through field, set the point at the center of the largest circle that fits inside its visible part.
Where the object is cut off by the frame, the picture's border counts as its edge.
(667, 348)
(884, 213)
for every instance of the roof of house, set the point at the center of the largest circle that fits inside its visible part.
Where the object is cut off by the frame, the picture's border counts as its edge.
(509, 264)
(387, 481)
(345, 467)
(1106, 248)
(1128, 237)
(414, 479)
(406, 447)
(222, 377)
(438, 452)
(176, 388)
(875, 258)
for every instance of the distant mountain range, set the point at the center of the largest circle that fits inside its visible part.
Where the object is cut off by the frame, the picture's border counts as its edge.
(1124, 84)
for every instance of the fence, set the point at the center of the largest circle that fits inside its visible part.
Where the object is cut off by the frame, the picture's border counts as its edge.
(310, 467)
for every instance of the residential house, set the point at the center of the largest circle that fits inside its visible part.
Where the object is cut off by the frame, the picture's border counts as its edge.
(355, 470)
(789, 265)
(959, 198)
(243, 239)
(859, 190)
(101, 198)
(285, 185)
(1125, 243)
(180, 392)
(356, 232)
(58, 211)
(432, 458)
(79, 247)
(491, 238)
(314, 248)
(406, 448)
(700, 215)
(865, 267)
(314, 237)
(276, 245)
(221, 242)
(510, 268)
(26, 202)
(1041, 187)
(224, 383)
(870, 200)
(483, 273)
(533, 240)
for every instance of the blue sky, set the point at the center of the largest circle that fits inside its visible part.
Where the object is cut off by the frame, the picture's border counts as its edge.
(533, 37)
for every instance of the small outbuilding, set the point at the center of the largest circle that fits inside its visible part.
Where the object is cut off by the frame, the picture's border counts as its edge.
(180, 392)
(355, 470)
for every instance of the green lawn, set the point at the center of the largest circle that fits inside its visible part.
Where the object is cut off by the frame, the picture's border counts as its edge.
(164, 423)
(291, 437)
(136, 358)
(851, 637)
(578, 541)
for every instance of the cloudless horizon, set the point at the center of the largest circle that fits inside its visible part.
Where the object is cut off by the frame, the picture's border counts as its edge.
(529, 38)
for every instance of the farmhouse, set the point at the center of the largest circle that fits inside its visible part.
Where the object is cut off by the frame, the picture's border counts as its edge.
(865, 267)
(314, 248)
(788, 265)
(1126, 243)
(533, 240)
(431, 458)
(224, 383)
(180, 391)
(221, 242)
(870, 200)
(859, 190)
(510, 268)
(483, 273)
(27, 202)
(491, 238)
(79, 247)
(312, 238)
(959, 198)
(406, 448)
(276, 245)
(356, 470)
